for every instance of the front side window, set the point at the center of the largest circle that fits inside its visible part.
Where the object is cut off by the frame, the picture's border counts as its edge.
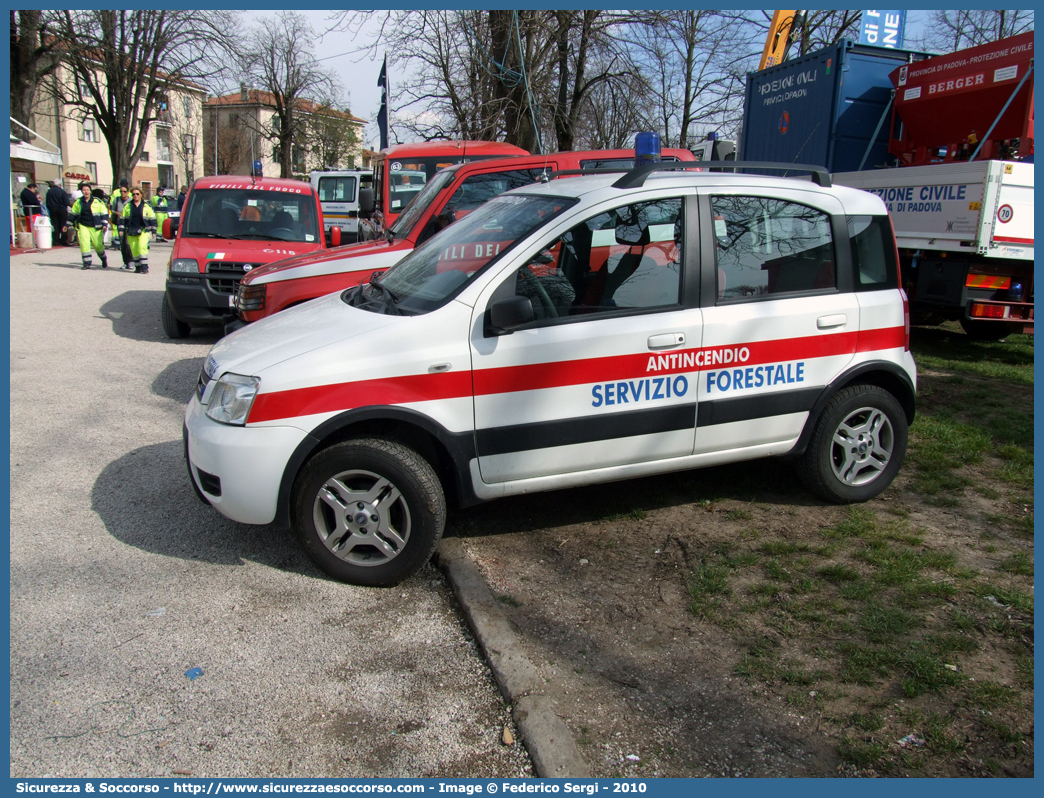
(768, 246)
(411, 214)
(438, 270)
(251, 214)
(625, 259)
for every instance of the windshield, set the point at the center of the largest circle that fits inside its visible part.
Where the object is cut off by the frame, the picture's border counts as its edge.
(407, 176)
(420, 203)
(249, 213)
(337, 189)
(439, 269)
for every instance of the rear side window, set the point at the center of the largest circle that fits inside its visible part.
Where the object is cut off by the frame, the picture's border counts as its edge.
(873, 253)
(766, 247)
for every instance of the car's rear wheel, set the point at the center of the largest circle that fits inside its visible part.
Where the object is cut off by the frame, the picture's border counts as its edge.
(172, 326)
(368, 511)
(857, 446)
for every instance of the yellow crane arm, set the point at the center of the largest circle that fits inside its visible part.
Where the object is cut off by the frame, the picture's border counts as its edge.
(776, 41)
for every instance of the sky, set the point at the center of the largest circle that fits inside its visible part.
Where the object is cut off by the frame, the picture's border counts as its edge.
(356, 71)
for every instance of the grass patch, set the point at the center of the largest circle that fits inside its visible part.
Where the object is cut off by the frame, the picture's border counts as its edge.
(510, 601)
(986, 694)
(861, 753)
(883, 624)
(707, 585)
(858, 522)
(738, 515)
(839, 573)
(1008, 596)
(1010, 360)
(941, 444)
(1018, 563)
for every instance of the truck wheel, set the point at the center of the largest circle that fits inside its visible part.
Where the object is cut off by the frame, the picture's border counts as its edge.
(857, 446)
(171, 325)
(989, 330)
(368, 511)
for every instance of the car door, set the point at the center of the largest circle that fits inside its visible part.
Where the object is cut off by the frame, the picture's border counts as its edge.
(781, 318)
(605, 374)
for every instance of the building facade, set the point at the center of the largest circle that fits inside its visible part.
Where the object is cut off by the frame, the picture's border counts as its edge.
(241, 128)
(172, 155)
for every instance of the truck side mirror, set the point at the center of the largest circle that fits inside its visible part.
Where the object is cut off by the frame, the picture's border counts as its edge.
(365, 203)
(509, 314)
(335, 236)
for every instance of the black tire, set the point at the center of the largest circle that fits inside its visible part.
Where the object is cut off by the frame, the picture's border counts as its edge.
(171, 325)
(988, 330)
(368, 511)
(857, 447)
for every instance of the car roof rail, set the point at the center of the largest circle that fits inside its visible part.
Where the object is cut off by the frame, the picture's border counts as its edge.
(592, 170)
(636, 177)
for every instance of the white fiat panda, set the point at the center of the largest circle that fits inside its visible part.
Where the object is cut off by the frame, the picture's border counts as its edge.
(585, 330)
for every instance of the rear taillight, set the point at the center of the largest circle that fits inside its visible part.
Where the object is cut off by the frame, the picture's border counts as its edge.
(979, 310)
(906, 319)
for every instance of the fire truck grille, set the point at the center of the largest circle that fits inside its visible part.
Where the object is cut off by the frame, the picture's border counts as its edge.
(223, 277)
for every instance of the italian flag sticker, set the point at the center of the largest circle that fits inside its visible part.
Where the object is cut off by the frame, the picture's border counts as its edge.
(215, 256)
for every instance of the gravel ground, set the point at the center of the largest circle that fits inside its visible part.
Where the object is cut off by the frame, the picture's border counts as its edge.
(122, 581)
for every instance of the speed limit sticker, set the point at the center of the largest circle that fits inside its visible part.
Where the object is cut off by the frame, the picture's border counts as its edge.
(1004, 214)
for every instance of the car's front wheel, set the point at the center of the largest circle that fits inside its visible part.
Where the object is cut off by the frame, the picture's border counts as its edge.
(857, 446)
(172, 326)
(369, 511)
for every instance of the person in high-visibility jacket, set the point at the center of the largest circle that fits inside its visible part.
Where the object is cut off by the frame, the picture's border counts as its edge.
(159, 206)
(137, 225)
(89, 216)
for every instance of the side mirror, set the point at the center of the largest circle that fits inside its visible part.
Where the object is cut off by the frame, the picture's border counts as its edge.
(365, 203)
(632, 235)
(335, 236)
(166, 228)
(509, 314)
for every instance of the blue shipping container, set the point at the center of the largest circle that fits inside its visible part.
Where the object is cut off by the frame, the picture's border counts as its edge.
(822, 108)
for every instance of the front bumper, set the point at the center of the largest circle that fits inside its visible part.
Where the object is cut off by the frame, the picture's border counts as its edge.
(195, 303)
(238, 470)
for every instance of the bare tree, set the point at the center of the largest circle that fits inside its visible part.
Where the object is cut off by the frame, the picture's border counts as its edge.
(32, 61)
(813, 30)
(695, 62)
(948, 31)
(515, 75)
(281, 62)
(451, 90)
(120, 66)
(610, 117)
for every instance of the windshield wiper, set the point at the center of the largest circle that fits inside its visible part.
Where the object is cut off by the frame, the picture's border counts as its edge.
(261, 236)
(389, 297)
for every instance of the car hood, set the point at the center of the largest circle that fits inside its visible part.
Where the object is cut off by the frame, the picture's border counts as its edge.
(291, 333)
(328, 261)
(204, 250)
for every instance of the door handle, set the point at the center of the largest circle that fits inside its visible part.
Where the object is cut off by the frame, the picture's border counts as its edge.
(828, 322)
(666, 340)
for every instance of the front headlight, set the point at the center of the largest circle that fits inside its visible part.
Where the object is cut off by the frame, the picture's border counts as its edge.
(184, 266)
(232, 397)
